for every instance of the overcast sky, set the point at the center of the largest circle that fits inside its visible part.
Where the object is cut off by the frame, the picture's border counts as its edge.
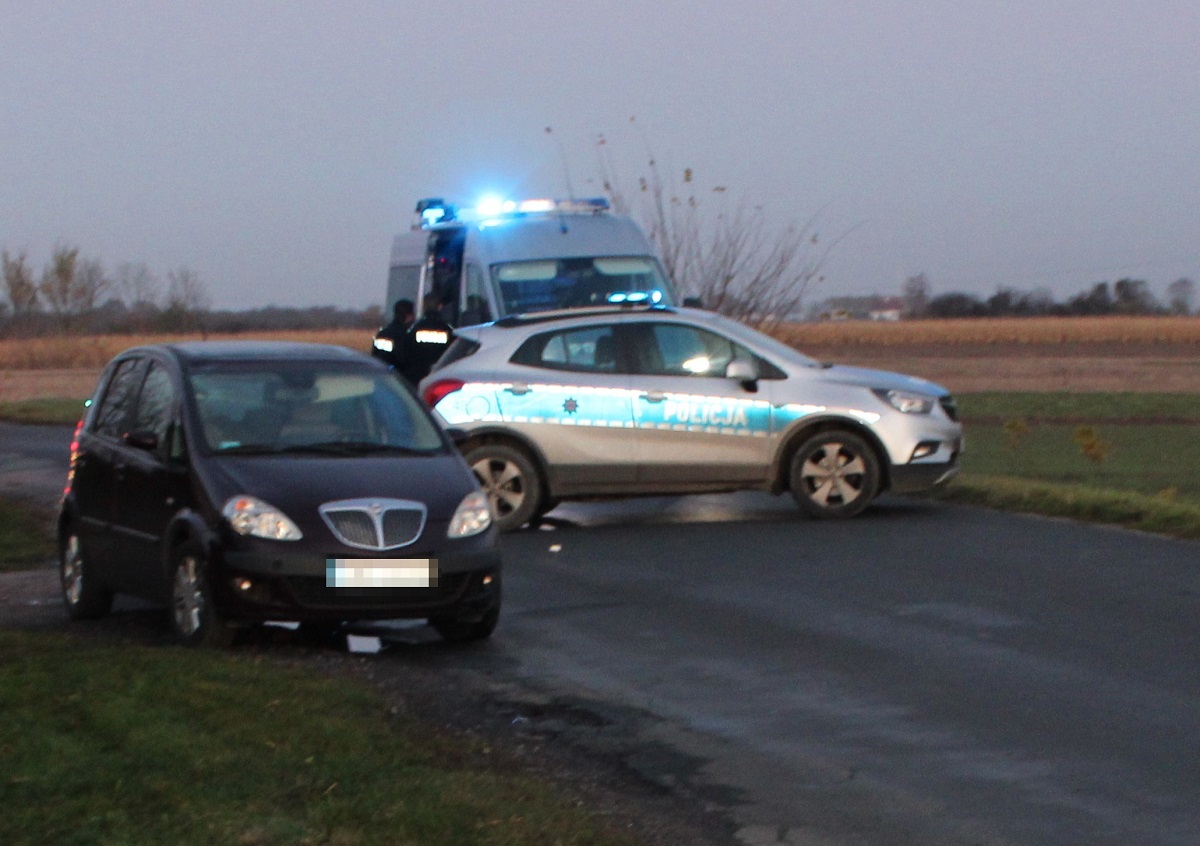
(276, 147)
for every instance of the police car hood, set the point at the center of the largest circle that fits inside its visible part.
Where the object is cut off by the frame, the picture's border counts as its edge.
(881, 379)
(297, 484)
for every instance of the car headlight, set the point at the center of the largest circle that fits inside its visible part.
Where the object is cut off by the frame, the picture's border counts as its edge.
(906, 401)
(471, 517)
(249, 515)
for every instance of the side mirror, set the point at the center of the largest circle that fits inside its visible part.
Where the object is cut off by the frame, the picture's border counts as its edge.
(743, 371)
(141, 439)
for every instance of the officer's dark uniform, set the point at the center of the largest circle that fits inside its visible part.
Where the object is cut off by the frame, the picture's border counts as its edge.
(389, 341)
(424, 344)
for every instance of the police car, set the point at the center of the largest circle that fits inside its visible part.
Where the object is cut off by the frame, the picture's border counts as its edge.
(636, 399)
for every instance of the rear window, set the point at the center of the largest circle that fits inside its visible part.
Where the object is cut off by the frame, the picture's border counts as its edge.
(592, 349)
(459, 348)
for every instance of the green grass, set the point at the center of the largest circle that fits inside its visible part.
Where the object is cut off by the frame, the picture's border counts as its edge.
(56, 410)
(1164, 515)
(1128, 459)
(105, 743)
(1069, 407)
(26, 539)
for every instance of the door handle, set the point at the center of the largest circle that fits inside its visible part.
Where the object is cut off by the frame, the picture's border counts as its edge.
(654, 396)
(518, 389)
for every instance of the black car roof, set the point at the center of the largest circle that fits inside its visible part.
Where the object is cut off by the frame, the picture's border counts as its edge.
(193, 352)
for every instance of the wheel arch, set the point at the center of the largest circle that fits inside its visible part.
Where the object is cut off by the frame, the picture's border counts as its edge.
(805, 429)
(515, 440)
(185, 526)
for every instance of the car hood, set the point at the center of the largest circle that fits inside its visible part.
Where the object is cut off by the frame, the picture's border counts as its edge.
(298, 484)
(883, 379)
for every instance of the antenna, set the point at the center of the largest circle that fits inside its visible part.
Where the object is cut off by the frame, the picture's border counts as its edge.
(562, 155)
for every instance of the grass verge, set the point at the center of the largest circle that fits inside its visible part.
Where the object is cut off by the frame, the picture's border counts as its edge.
(1121, 458)
(1159, 514)
(48, 411)
(26, 539)
(107, 743)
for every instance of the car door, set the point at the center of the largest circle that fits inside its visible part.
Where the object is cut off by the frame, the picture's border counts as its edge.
(695, 426)
(150, 482)
(94, 463)
(569, 394)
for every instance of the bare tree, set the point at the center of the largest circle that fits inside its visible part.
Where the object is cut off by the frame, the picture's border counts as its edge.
(916, 296)
(19, 285)
(58, 284)
(187, 299)
(137, 286)
(1180, 296)
(91, 283)
(734, 257)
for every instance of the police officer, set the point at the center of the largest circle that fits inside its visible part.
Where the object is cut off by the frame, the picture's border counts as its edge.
(389, 340)
(425, 341)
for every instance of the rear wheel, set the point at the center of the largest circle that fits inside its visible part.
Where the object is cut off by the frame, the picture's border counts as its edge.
(194, 617)
(834, 474)
(511, 481)
(84, 596)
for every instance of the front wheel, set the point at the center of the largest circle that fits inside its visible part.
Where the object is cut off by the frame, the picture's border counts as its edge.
(84, 596)
(194, 617)
(511, 481)
(834, 474)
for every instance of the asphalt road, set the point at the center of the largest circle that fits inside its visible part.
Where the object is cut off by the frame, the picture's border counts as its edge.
(924, 674)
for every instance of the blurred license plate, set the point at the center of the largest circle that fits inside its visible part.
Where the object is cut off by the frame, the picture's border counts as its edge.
(380, 572)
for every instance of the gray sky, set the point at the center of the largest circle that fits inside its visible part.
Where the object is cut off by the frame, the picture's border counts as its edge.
(276, 147)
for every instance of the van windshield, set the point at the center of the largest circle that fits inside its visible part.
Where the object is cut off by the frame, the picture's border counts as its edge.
(546, 284)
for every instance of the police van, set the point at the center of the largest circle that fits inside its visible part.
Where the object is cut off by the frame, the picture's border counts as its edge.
(506, 257)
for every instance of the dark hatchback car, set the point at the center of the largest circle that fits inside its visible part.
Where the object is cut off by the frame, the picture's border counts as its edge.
(254, 481)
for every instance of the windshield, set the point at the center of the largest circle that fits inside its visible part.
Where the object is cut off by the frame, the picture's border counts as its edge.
(546, 284)
(304, 406)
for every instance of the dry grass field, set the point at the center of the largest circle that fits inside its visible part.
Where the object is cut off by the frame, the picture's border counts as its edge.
(1145, 354)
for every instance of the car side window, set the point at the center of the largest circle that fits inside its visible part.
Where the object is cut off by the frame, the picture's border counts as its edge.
(592, 349)
(118, 399)
(673, 349)
(155, 403)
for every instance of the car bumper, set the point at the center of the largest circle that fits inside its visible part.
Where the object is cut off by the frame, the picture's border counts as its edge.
(253, 586)
(910, 478)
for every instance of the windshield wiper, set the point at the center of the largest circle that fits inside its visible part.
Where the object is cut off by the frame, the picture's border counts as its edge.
(248, 449)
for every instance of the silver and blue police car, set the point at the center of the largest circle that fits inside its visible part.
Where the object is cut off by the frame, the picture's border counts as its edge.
(635, 400)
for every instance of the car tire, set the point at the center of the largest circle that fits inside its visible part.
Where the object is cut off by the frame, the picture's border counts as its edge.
(84, 595)
(511, 481)
(194, 618)
(834, 474)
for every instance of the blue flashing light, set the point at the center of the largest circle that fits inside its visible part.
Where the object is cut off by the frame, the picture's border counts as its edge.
(431, 216)
(617, 298)
(494, 206)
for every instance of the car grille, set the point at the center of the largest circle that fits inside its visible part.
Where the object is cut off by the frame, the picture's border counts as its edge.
(949, 406)
(375, 524)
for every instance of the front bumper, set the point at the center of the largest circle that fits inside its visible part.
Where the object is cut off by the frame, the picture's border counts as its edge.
(911, 478)
(256, 586)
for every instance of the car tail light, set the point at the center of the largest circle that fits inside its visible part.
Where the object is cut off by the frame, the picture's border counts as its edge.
(74, 456)
(440, 389)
